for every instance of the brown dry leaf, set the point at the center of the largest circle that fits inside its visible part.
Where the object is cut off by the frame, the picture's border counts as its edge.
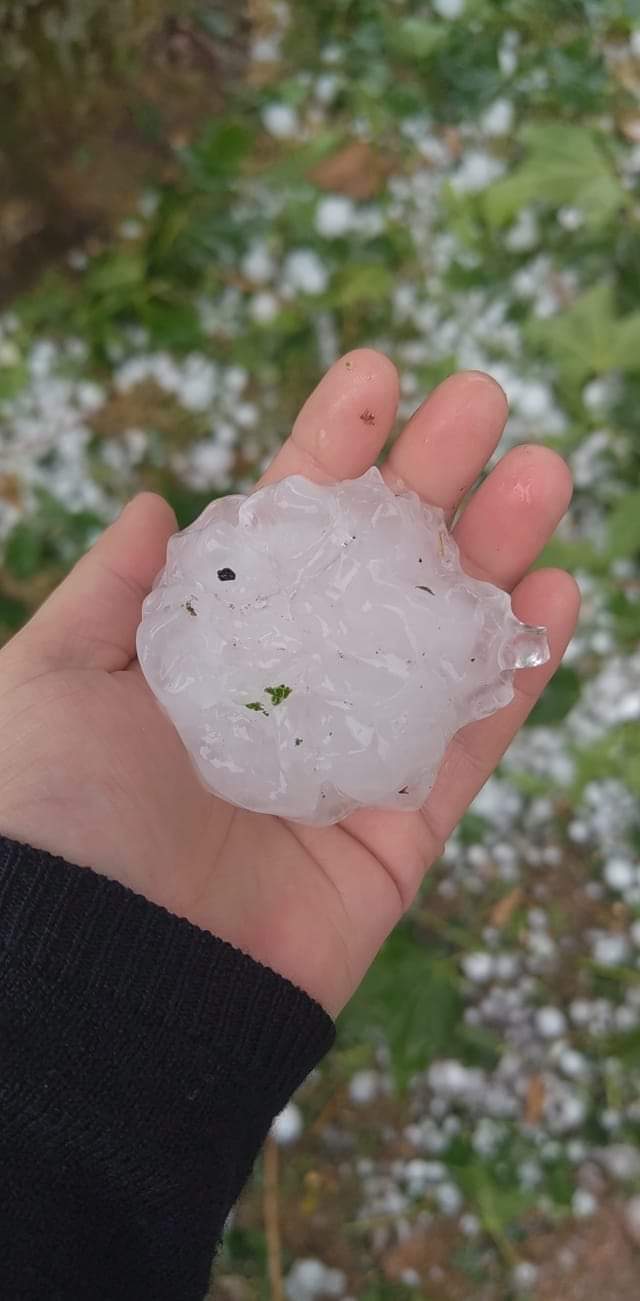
(357, 170)
(627, 73)
(503, 910)
(534, 1103)
(10, 489)
(629, 127)
(452, 137)
(262, 21)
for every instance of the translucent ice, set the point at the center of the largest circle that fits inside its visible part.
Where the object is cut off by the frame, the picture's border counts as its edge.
(317, 647)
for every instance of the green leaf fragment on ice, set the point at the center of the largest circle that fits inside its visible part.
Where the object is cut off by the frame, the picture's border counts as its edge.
(278, 694)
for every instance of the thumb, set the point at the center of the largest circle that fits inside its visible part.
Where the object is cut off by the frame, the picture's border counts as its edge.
(90, 620)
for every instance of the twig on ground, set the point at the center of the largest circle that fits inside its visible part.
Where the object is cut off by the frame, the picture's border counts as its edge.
(271, 1215)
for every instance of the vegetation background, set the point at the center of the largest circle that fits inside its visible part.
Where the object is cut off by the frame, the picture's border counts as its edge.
(201, 205)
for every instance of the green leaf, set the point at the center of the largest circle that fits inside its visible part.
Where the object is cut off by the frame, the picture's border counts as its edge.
(627, 342)
(12, 612)
(588, 339)
(364, 282)
(411, 995)
(580, 338)
(557, 699)
(187, 502)
(278, 694)
(415, 38)
(115, 272)
(25, 551)
(564, 164)
(616, 754)
(173, 324)
(12, 379)
(498, 1206)
(218, 153)
(624, 526)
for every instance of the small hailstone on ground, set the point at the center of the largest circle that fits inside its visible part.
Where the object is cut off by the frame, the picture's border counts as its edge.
(507, 966)
(573, 1063)
(364, 1086)
(448, 1197)
(317, 646)
(564, 1109)
(9, 353)
(632, 1218)
(626, 1018)
(326, 87)
(570, 218)
(288, 1125)
(576, 1151)
(529, 1174)
(258, 265)
(619, 874)
(476, 170)
(487, 1136)
(524, 1275)
(280, 121)
(206, 463)
(305, 271)
(478, 967)
(266, 49)
(335, 216)
(419, 1173)
(235, 379)
(550, 1022)
(583, 1204)
(610, 950)
(247, 415)
(264, 307)
(497, 120)
(130, 228)
(309, 1278)
(449, 8)
(448, 1077)
(524, 234)
(621, 1161)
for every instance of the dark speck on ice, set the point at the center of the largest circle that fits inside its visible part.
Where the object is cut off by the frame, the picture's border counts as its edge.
(226, 575)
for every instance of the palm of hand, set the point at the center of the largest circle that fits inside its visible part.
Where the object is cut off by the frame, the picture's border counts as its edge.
(93, 770)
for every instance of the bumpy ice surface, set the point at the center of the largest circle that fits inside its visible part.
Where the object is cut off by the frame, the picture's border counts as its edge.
(317, 647)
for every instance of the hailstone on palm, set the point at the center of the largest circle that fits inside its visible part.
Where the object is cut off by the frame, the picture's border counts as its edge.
(318, 646)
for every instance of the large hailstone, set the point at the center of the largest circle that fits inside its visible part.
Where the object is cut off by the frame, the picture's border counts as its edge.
(317, 647)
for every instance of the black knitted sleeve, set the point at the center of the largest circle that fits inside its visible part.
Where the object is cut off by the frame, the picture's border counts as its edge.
(142, 1061)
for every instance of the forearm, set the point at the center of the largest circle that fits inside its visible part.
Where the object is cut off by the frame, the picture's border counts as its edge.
(141, 1063)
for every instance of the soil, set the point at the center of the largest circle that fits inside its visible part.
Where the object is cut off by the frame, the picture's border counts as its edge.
(74, 157)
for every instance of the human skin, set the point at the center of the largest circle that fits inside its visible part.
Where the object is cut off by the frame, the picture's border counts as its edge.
(92, 769)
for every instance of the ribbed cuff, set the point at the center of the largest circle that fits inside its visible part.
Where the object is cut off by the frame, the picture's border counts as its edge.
(92, 941)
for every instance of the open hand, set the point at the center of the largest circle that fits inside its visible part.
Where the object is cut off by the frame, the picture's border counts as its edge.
(91, 769)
